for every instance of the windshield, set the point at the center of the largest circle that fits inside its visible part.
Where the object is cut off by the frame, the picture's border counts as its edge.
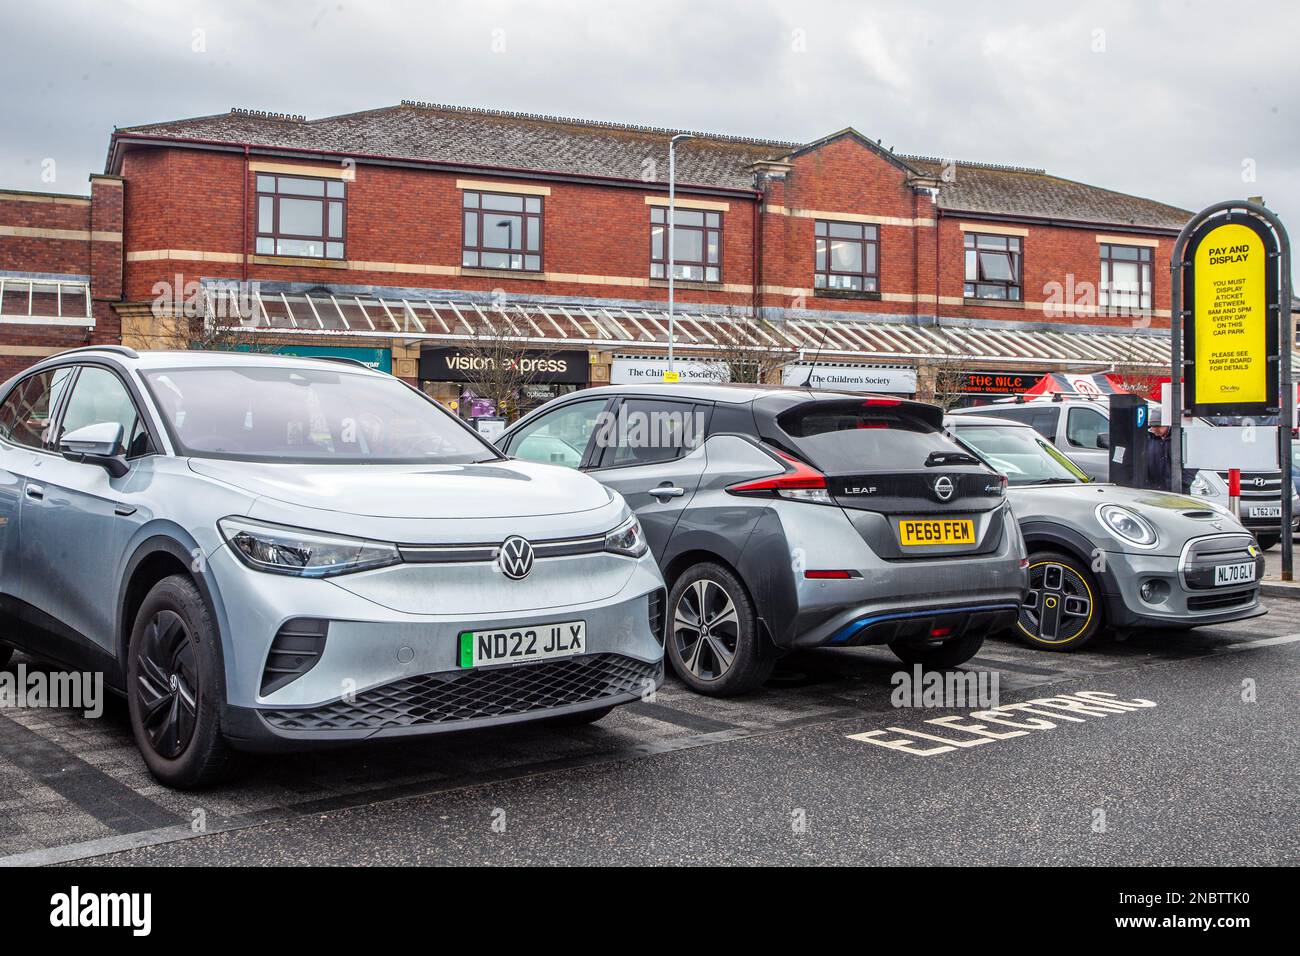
(1024, 456)
(298, 414)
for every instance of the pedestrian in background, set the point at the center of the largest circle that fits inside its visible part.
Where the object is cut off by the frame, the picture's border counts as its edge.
(1159, 462)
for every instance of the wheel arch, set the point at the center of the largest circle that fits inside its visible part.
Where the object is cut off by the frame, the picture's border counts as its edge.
(155, 558)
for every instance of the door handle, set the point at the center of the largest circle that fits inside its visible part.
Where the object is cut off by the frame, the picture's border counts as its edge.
(35, 492)
(663, 492)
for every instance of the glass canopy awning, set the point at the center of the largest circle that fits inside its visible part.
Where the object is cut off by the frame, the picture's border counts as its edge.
(551, 325)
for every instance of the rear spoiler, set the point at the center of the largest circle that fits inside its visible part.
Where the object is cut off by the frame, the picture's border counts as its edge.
(931, 415)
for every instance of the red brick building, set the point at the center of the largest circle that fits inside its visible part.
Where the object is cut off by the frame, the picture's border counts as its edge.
(412, 231)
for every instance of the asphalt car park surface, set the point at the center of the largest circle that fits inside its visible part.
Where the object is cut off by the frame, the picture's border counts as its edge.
(1204, 777)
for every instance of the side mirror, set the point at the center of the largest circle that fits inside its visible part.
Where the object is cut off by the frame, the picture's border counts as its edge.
(99, 444)
(1103, 440)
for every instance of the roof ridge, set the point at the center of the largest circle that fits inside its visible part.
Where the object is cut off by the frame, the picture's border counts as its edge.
(600, 124)
(975, 164)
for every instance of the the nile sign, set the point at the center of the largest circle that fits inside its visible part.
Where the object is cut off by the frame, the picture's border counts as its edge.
(1232, 339)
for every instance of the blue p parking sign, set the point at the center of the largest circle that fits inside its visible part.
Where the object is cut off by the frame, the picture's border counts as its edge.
(1142, 416)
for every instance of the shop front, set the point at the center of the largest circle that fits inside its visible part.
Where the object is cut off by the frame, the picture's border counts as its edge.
(496, 384)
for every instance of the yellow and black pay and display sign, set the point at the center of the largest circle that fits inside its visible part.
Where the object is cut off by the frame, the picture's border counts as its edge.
(1231, 339)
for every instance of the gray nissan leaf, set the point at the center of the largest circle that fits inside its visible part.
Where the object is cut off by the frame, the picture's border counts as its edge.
(787, 518)
(267, 553)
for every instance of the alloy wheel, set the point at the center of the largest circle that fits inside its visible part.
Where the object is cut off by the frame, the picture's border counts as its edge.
(1059, 606)
(167, 685)
(706, 629)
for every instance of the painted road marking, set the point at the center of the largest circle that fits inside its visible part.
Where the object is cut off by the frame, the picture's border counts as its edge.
(1069, 708)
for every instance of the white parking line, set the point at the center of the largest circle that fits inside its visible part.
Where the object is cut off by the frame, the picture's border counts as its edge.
(1261, 642)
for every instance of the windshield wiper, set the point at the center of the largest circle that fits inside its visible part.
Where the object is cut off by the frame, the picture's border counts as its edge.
(1052, 481)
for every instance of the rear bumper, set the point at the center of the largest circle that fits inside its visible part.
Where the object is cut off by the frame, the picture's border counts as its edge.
(802, 612)
(932, 624)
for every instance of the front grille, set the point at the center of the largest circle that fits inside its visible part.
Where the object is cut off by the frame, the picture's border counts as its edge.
(657, 599)
(1213, 602)
(455, 696)
(1204, 554)
(1259, 485)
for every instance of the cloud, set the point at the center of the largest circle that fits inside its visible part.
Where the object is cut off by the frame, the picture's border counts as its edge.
(1163, 99)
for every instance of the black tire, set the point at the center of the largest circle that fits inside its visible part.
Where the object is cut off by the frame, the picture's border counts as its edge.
(1063, 611)
(175, 687)
(728, 657)
(1267, 541)
(6, 654)
(580, 719)
(940, 656)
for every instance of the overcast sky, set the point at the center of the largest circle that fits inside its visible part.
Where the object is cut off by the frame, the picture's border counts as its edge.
(1170, 100)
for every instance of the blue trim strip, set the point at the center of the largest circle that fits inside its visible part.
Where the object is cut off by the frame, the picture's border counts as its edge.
(852, 628)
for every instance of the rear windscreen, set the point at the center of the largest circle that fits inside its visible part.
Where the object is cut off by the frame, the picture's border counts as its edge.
(852, 438)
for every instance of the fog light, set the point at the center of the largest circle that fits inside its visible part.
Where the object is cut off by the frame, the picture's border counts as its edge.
(1153, 592)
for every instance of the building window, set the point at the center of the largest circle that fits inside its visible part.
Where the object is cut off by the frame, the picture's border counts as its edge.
(697, 244)
(300, 216)
(502, 232)
(847, 256)
(1125, 278)
(993, 267)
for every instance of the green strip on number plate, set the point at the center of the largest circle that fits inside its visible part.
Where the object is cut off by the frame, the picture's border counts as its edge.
(466, 648)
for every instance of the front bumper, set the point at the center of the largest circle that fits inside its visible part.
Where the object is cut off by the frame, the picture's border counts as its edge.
(383, 672)
(1178, 604)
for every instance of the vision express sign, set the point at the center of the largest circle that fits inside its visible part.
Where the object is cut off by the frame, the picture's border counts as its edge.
(567, 366)
(1231, 337)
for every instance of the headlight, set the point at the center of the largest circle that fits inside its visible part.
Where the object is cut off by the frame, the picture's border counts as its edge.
(627, 538)
(308, 554)
(1207, 484)
(1127, 526)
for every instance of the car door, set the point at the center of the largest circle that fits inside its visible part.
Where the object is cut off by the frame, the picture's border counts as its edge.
(1087, 436)
(654, 457)
(26, 418)
(76, 519)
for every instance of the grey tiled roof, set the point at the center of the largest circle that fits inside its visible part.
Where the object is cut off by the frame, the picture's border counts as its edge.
(476, 137)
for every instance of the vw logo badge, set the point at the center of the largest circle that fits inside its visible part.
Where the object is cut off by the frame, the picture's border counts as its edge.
(943, 488)
(515, 557)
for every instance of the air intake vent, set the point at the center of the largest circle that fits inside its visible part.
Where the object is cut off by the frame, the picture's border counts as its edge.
(298, 645)
(657, 600)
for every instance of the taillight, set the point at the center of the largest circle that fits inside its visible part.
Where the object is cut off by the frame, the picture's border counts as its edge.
(801, 482)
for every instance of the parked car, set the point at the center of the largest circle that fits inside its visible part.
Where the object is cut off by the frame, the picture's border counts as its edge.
(1102, 555)
(1080, 428)
(270, 553)
(785, 518)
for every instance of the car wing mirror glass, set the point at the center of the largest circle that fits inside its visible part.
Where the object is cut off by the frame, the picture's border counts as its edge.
(98, 444)
(1103, 440)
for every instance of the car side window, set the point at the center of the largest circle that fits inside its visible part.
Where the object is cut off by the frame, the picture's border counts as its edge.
(1084, 426)
(99, 396)
(646, 432)
(26, 413)
(560, 437)
(1044, 422)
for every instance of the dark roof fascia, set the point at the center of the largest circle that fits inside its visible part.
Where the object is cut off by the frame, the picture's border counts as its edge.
(408, 163)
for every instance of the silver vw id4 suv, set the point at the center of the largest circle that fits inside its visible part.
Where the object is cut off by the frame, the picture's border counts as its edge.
(265, 552)
(787, 518)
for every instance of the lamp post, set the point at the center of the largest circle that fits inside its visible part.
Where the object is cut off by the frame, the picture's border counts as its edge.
(672, 210)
